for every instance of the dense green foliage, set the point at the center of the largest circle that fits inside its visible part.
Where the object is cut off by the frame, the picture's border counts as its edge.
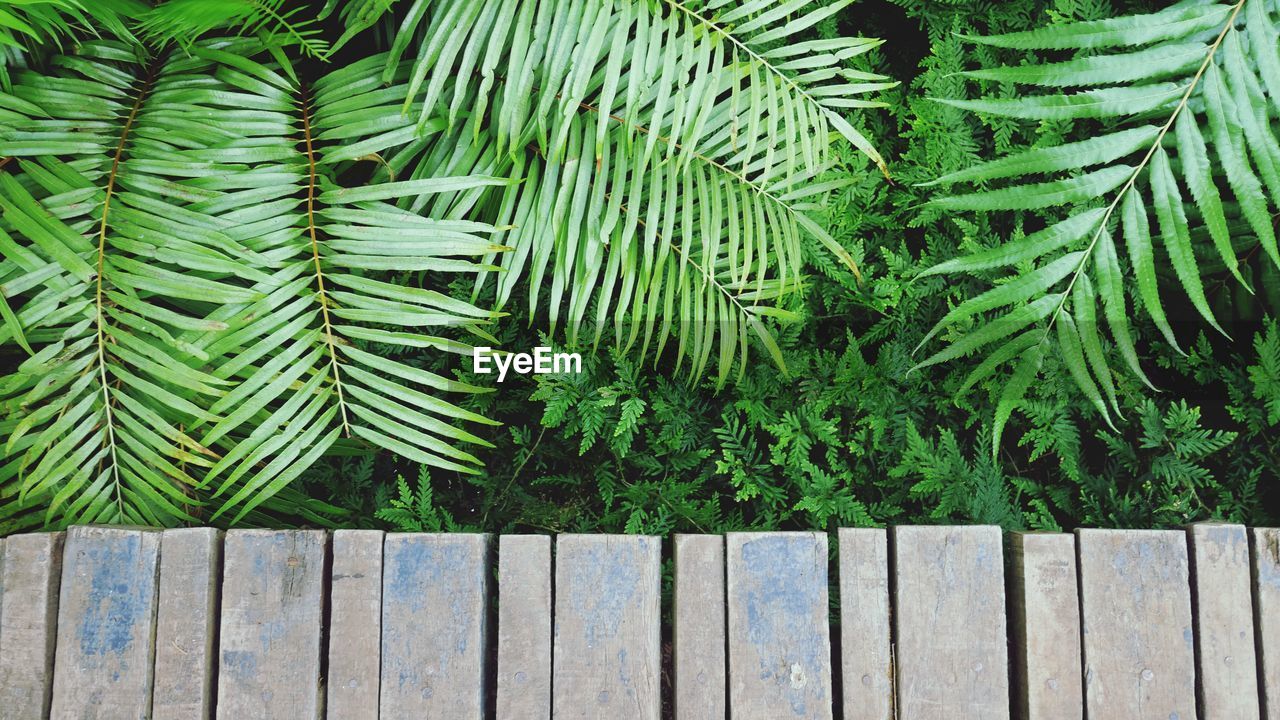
(854, 437)
(669, 427)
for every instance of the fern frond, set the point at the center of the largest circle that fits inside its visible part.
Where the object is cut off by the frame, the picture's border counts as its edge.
(1180, 108)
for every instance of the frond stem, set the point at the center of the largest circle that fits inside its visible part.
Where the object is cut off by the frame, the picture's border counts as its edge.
(315, 258)
(99, 294)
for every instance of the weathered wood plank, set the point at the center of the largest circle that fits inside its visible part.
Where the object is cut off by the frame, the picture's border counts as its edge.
(867, 659)
(1226, 670)
(187, 623)
(607, 656)
(1, 590)
(699, 631)
(272, 609)
(779, 634)
(28, 624)
(1266, 604)
(950, 623)
(355, 625)
(105, 656)
(1136, 618)
(1045, 602)
(434, 626)
(524, 627)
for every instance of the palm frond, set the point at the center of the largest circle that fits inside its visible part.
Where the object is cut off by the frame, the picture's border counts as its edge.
(665, 156)
(31, 23)
(106, 262)
(305, 358)
(184, 21)
(1182, 160)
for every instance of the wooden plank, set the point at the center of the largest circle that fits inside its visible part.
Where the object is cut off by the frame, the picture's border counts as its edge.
(779, 634)
(32, 572)
(1045, 607)
(699, 628)
(950, 623)
(355, 625)
(1226, 667)
(1226, 672)
(269, 641)
(105, 656)
(187, 624)
(1136, 618)
(524, 627)
(866, 656)
(1266, 605)
(607, 657)
(1, 590)
(434, 626)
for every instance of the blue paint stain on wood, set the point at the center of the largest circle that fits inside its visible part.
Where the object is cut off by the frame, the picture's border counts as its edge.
(423, 578)
(606, 585)
(121, 590)
(783, 600)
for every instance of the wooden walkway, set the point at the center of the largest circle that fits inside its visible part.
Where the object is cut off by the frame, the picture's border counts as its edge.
(917, 623)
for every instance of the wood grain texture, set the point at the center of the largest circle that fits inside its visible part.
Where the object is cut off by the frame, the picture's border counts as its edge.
(355, 625)
(1045, 621)
(434, 626)
(1226, 669)
(524, 627)
(187, 624)
(699, 627)
(950, 623)
(607, 657)
(779, 635)
(28, 624)
(1265, 549)
(866, 661)
(104, 661)
(1139, 644)
(272, 609)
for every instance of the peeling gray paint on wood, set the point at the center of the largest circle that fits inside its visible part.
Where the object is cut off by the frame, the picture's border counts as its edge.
(1136, 620)
(1266, 593)
(524, 627)
(434, 626)
(28, 624)
(272, 609)
(1226, 670)
(952, 654)
(607, 657)
(779, 635)
(105, 655)
(1045, 604)
(699, 627)
(355, 625)
(187, 624)
(867, 659)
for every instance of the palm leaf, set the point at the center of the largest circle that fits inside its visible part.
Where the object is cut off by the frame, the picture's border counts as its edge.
(106, 261)
(664, 156)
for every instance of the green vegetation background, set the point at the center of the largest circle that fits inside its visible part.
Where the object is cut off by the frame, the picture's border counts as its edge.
(849, 438)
